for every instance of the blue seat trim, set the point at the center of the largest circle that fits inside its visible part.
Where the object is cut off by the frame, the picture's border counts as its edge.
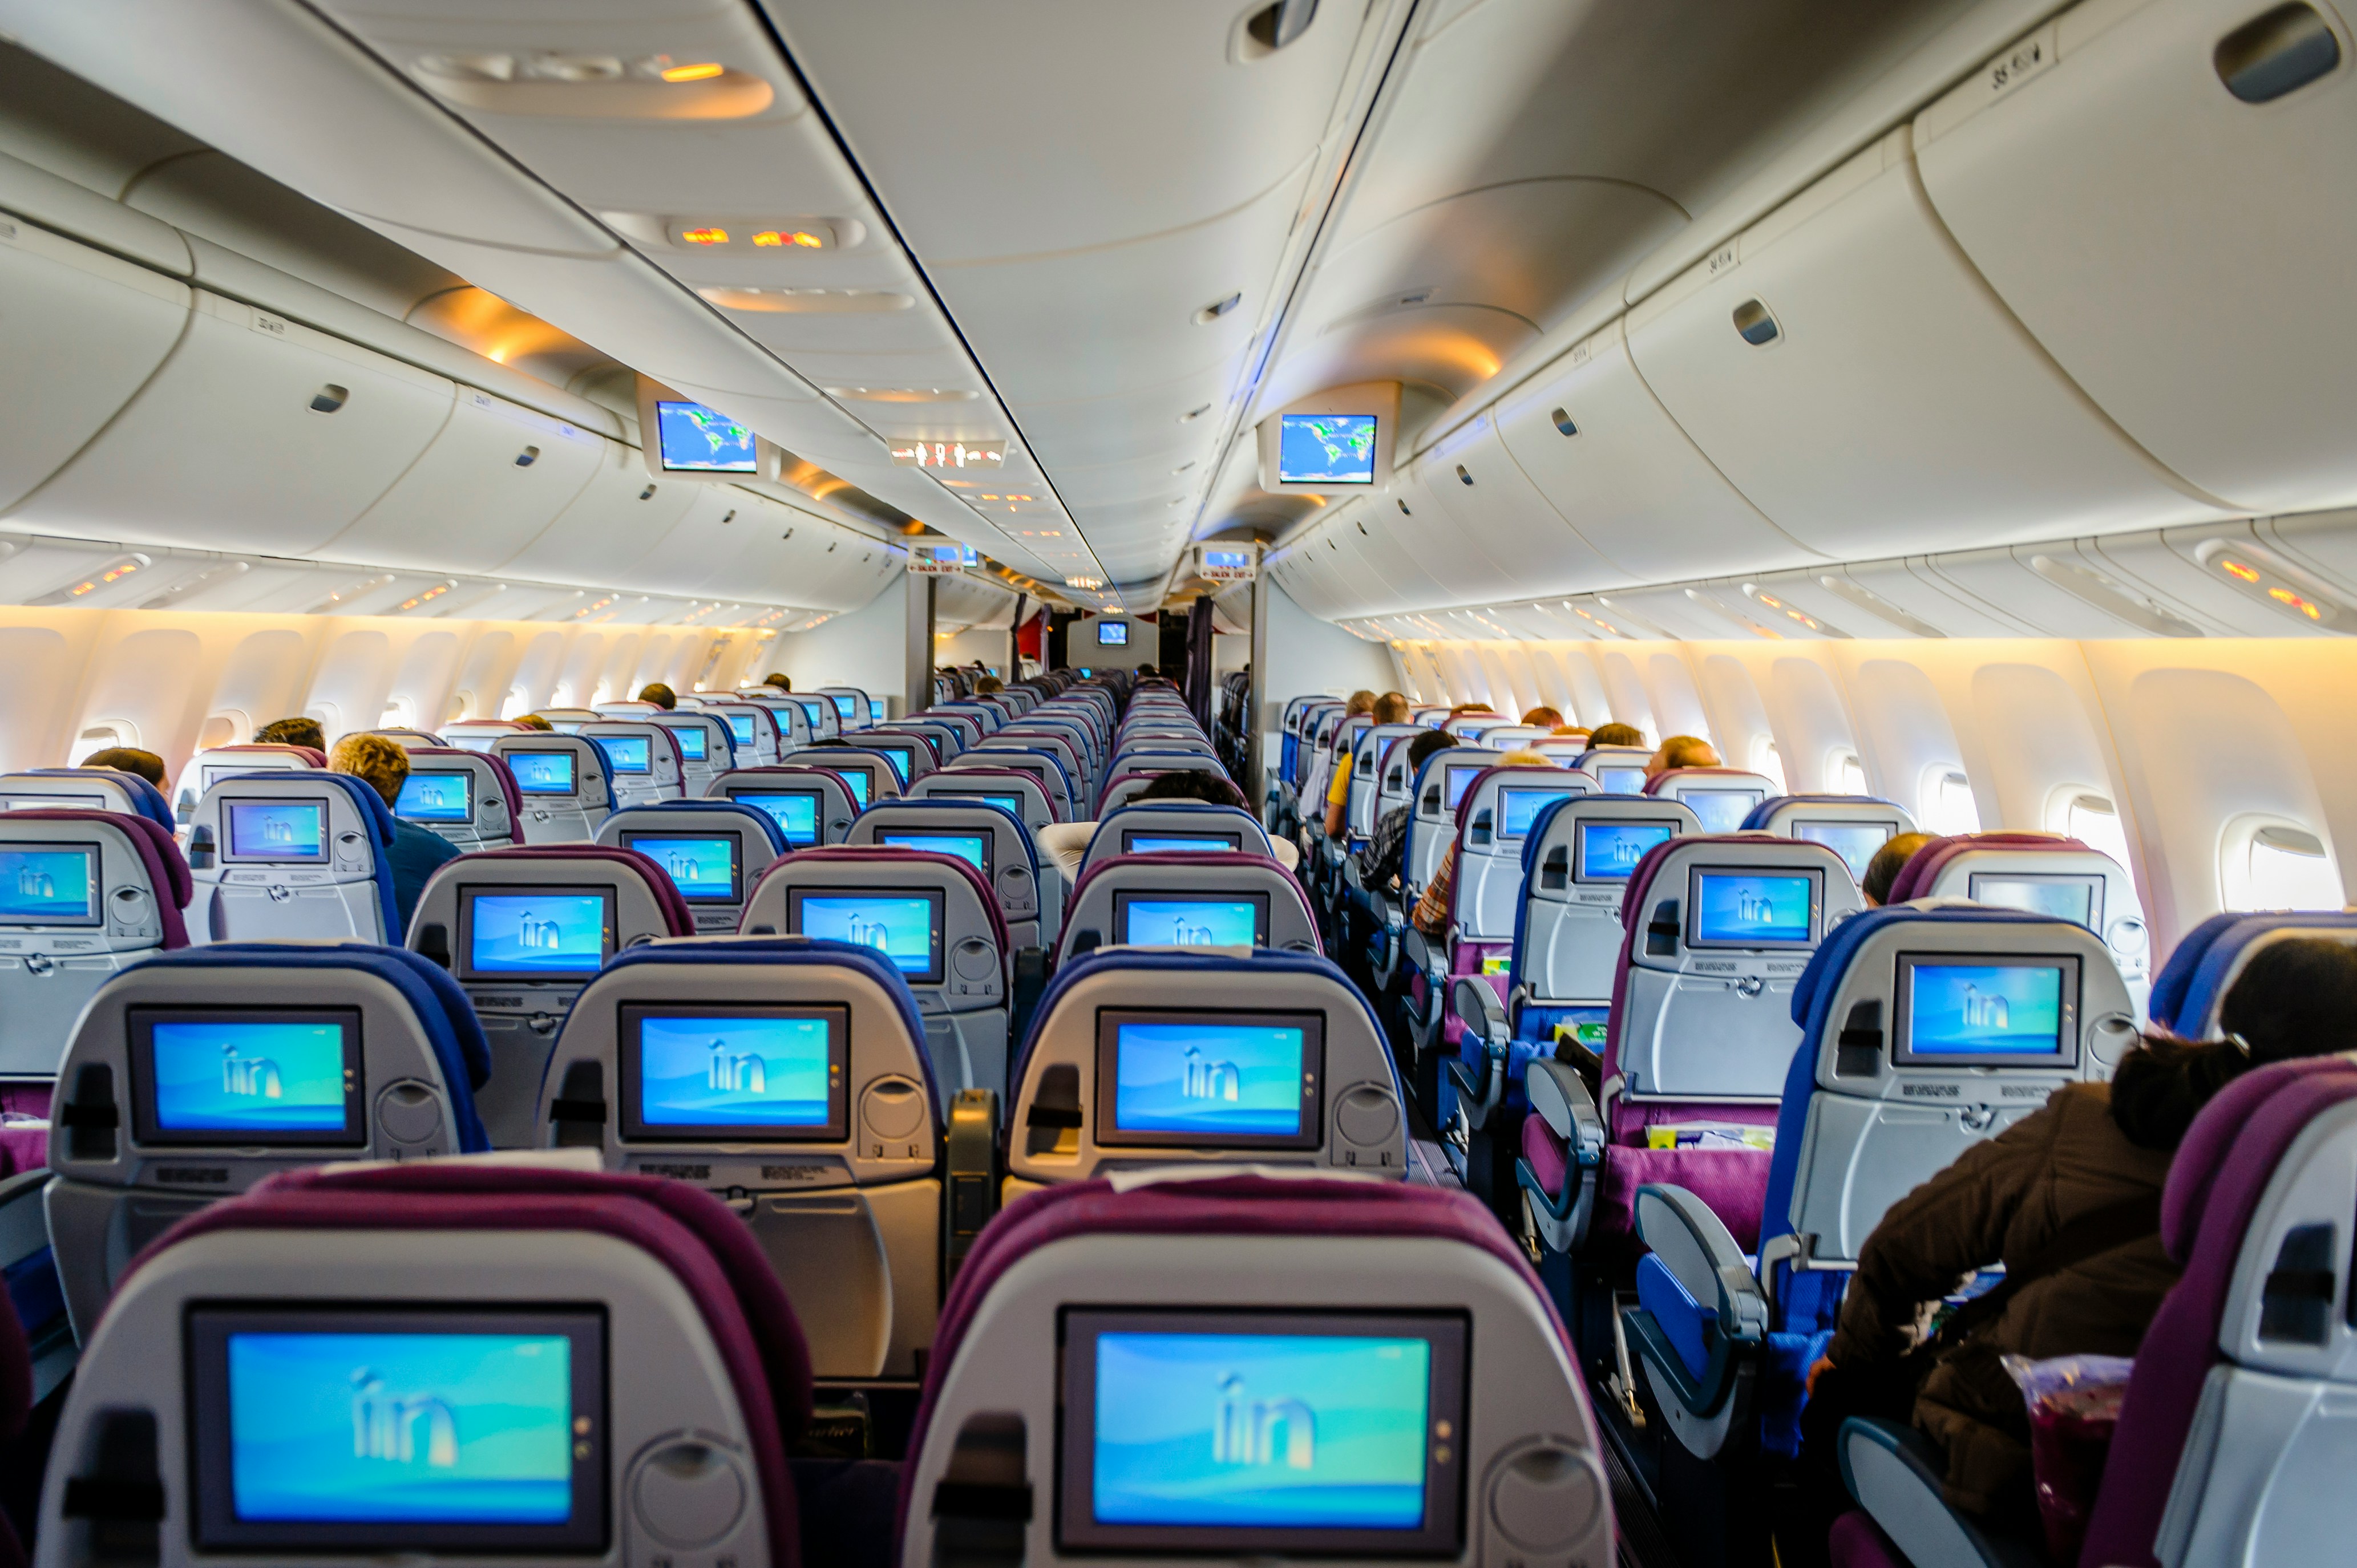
(2169, 987)
(798, 952)
(435, 999)
(1209, 808)
(1758, 818)
(2203, 991)
(379, 816)
(768, 825)
(963, 803)
(145, 798)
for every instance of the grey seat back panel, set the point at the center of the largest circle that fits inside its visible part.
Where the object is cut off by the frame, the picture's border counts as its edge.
(1571, 932)
(664, 778)
(552, 816)
(245, 897)
(631, 827)
(1291, 926)
(1014, 874)
(1490, 859)
(50, 971)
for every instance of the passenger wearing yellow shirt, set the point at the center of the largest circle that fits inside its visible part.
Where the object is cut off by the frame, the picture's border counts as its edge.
(1391, 708)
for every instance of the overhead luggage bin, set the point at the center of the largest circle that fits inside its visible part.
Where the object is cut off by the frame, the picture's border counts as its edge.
(2161, 194)
(1595, 441)
(1850, 373)
(1494, 502)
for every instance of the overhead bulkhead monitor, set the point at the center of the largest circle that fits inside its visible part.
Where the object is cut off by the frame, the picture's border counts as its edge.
(685, 439)
(1338, 439)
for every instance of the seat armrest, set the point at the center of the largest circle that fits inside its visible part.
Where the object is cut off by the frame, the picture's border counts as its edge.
(1896, 1473)
(1695, 1246)
(1351, 873)
(1560, 1095)
(1476, 1007)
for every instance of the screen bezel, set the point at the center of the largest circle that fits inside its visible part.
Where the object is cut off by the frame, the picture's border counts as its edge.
(987, 838)
(1903, 1030)
(1121, 902)
(1120, 627)
(1498, 814)
(1448, 771)
(1374, 419)
(1228, 844)
(95, 859)
(607, 743)
(938, 916)
(464, 956)
(1579, 871)
(146, 1128)
(703, 738)
(466, 774)
(1604, 775)
(1109, 1134)
(751, 723)
(572, 767)
(736, 895)
(630, 1019)
(207, 1327)
(1442, 1534)
(1801, 825)
(230, 854)
(1815, 876)
(702, 470)
(900, 756)
(817, 798)
(2092, 881)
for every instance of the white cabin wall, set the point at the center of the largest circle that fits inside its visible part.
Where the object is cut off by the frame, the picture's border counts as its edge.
(865, 647)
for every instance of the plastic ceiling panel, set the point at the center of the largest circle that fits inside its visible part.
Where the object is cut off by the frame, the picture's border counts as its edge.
(82, 333)
(1898, 406)
(1805, 591)
(466, 505)
(1629, 481)
(2171, 245)
(222, 450)
(1405, 581)
(1667, 608)
(1438, 544)
(1503, 511)
(2326, 543)
(1923, 595)
(2007, 577)
(610, 524)
(2145, 563)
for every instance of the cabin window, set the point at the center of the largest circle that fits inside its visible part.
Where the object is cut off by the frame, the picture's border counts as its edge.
(1948, 803)
(2095, 823)
(1768, 763)
(1846, 776)
(518, 700)
(221, 729)
(2275, 864)
(100, 738)
(400, 713)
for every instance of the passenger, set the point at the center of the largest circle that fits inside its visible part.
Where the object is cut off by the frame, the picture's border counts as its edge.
(129, 759)
(1432, 910)
(1882, 870)
(988, 684)
(417, 850)
(1571, 732)
(1616, 734)
(292, 732)
(1391, 708)
(1680, 751)
(2069, 1200)
(1067, 843)
(534, 721)
(1359, 702)
(774, 679)
(658, 693)
(1542, 718)
(1379, 862)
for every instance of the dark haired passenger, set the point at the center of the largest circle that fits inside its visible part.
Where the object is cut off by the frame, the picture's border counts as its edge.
(1615, 735)
(1379, 862)
(296, 731)
(129, 759)
(1067, 843)
(661, 695)
(1882, 870)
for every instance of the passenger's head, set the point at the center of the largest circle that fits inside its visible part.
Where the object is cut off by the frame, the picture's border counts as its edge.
(2297, 997)
(1191, 784)
(988, 684)
(775, 679)
(1617, 734)
(1524, 759)
(1423, 746)
(382, 762)
(1544, 718)
(658, 693)
(1391, 708)
(1680, 751)
(292, 732)
(1572, 732)
(1470, 708)
(129, 759)
(534, 721)
(1362, 701)
(1882, 870)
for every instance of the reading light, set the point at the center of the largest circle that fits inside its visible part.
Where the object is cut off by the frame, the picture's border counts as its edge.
(428, 597)
(703, 71)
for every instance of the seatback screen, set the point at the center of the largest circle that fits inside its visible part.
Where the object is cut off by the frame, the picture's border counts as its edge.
(411, 1432)
(1610, 851)
(905, 927)
(1721, 810)
(1013, 803)
(2078, 899)
(626, 753)
(1246, 1434)
(276, 830)
(846, 708)
(741, 726)
(857, 780)
(524, 933)
(262, 1075)
(48, 884)
(1151, 919)
(1970, 1011)
(691, 738)
(899, 757)
(540, 772)
(1518, 808)
(1210, 1078)
(1627, 779)
(1856, 843)
(794, 810)
(972, 848)
(706, 868)
(815, 711)
(1457, 777)
(436, 797)
(1753, 910)
(1180, 843)
(756, 1072)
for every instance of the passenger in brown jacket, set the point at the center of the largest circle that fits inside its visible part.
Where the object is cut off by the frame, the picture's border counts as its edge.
(2092, 1149)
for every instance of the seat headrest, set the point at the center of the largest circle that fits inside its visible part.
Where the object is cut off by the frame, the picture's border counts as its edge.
(441, 1007)
(2222, 954)
(880, 857)
(147, 799)
(762, 820)
(1924, 867)
(1249, 865)
(168, 869)
(1819, 982)
(309, 754)
(1765, 811)
(676, 914)
(501, 774)
(2169, 987)
(1465, 803)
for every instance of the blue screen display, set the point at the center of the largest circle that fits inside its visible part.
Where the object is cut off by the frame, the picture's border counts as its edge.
(436, 798)
(1166, 844)
(702, 1072)
(1191, 922)
(627, 753)
(443, 1428)
(1271, 1430)
(691, 738)
(796, 814)
(2071, 900)
(245, 1076)
(1208, 1078)
(278, 830)
(900, 928)
(1721, 810)
(533, 933)
(1608, 851)
(1855, 842)
(703, 440)
(542, 772)
(1624, 780)
(1457, 780)
(700, 868)
(1113, 634)
(992, 798)
(898, 756)
(48, 886)
(741, 726)
(972, 848)
(1326, 449)
(1518, 808)
(814, 711)
(845, 707)
(1967, 1009)
(1748, 911)
(855, 779)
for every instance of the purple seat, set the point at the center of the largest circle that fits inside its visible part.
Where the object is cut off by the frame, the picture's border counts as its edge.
(1091, 909)
(16, 1408)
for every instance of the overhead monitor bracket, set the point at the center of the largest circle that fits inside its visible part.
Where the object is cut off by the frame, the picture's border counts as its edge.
(682, 438)
(1334, 444)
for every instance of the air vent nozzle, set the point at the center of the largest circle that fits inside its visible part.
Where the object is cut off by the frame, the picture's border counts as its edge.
(2276, 53)
(330, 398)
(1756, 324)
